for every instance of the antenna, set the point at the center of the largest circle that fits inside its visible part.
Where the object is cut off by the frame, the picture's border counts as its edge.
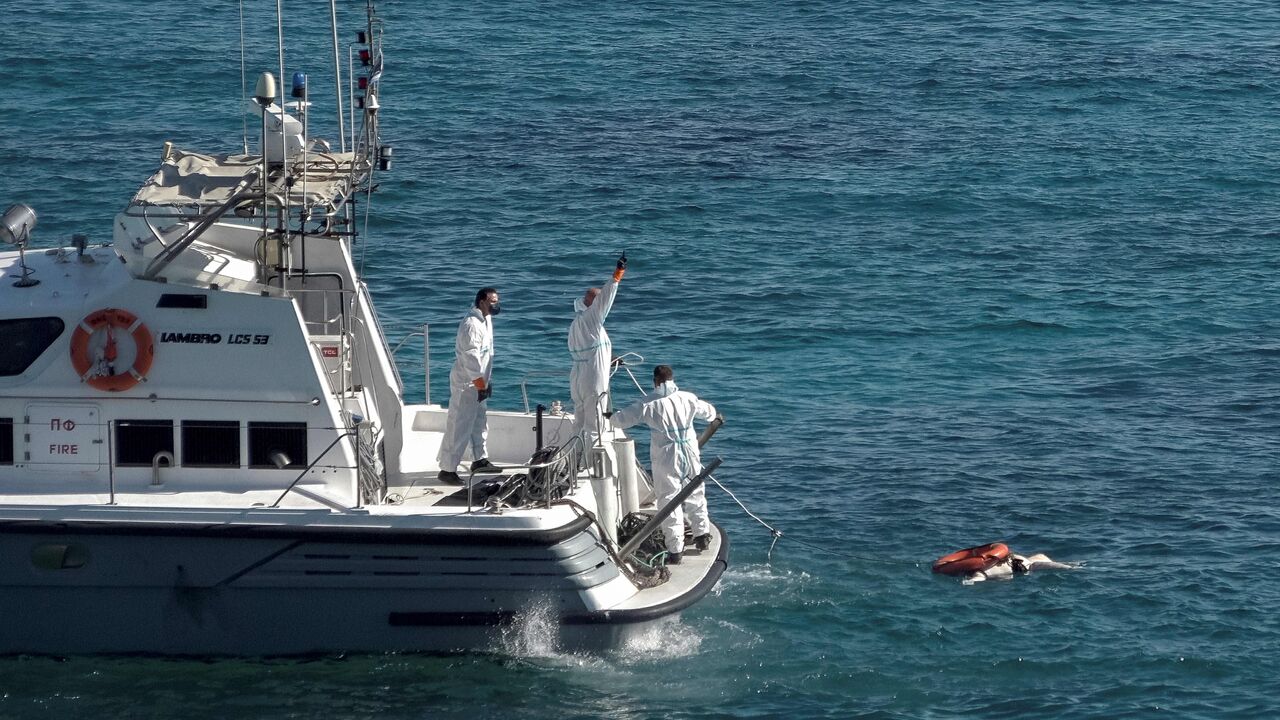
(15, 229)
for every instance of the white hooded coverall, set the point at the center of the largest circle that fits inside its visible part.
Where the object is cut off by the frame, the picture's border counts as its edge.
(466, 423)
(673, 452)
(592, 353)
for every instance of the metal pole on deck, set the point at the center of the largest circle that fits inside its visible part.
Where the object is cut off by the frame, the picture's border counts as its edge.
(426, 357)
(337, 73)
(111, 465)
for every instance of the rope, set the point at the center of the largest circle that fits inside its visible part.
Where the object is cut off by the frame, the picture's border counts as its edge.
(777, 534)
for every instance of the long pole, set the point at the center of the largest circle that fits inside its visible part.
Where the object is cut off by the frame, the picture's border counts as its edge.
(712, 427)
(337, 74)
(280, 49)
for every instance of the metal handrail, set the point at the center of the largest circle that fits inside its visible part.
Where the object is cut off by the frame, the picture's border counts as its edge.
(524, 382)
(243, 191)
(312, 464)
(426, 357)
(568, 452)
(404, 340)
(622, 365)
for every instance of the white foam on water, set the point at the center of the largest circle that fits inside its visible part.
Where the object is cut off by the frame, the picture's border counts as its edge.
(667, 639)
(533, 636)
(758, 574)
(533, 633)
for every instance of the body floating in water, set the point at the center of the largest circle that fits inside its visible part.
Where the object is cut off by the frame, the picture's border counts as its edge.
(994, 561)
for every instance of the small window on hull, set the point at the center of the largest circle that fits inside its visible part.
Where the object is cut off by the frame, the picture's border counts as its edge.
(138, 441)
(6, 441)
(210, 443)
(277, 444)
(24, 340)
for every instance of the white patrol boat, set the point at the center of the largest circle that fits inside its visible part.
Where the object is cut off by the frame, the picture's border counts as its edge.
(205, 447)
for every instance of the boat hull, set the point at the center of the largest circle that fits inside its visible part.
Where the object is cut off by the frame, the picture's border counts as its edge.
(257, 590)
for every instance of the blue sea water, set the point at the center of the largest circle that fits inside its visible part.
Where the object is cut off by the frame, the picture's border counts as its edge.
(954, 272)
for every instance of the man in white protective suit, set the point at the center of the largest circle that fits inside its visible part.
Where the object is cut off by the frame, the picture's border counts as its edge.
(673, 452)
(592, 354)
(469, 391)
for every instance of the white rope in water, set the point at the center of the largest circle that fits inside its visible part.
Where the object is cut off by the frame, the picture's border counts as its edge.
(777, 534)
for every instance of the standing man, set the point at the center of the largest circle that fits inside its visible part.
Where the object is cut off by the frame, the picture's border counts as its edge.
(469, 391)
(591, 352)
(673, 452)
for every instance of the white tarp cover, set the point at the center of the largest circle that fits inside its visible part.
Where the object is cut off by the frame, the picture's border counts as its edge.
(188, 178)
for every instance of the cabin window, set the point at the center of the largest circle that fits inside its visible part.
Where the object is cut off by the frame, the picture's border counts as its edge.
(271, 443)
(6, 441)
(210, 443)
(182, 300)
(24, 340)
(138, 441)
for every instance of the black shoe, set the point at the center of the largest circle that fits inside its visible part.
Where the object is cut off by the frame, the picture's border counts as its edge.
(484, 467)
(673, 558)
(702, 542)
(449, 478)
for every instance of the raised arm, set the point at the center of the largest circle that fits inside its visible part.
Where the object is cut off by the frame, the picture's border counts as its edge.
(604, 302)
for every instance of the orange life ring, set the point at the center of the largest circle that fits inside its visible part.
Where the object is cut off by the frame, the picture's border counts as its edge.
(971, 560)
(89, 364)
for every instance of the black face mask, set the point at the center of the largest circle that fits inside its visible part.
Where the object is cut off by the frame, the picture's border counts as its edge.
(495, 308)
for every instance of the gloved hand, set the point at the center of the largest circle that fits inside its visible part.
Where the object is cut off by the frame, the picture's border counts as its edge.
(622, 261)
(485, 393)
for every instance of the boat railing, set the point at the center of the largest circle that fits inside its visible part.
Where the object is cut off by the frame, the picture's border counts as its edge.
(361, 305)
(293, 486)
(425, 334)
(323, 309)
(621, 363)
(546, 373)
(536, 483)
